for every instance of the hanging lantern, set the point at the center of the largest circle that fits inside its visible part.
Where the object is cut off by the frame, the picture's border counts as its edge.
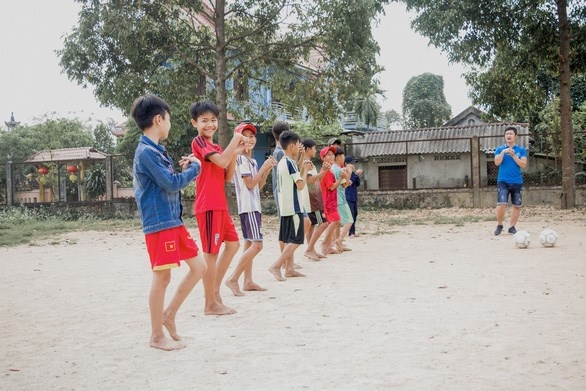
(42, 170)
(72, 169)
(73, 178)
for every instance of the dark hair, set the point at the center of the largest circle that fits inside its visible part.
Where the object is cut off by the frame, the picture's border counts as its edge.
(308, 143)
(287, 138)
(145, 108)
(278, 128)
(202, 107)
(339, 151)
(513, 128)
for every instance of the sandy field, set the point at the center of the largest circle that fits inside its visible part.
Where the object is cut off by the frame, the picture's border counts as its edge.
(415, 306)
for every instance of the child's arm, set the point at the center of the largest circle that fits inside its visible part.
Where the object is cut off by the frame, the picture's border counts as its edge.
(228, 157)
(261, 176)
(300, 183)
(157, 169)
(316, 178)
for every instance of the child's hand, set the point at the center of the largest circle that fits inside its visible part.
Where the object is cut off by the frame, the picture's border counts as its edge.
(359, 171)
(185, 161)
(269, 163)
(325, 166)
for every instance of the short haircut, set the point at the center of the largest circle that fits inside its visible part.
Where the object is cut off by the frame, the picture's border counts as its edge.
(513, 128)
(339, 151)
(146, 107)
(278, 128)
(287, 138)
(308, 143)
(202, 107)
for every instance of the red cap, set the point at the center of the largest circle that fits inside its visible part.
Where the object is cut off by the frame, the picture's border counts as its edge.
(325, 151)
(245, 126)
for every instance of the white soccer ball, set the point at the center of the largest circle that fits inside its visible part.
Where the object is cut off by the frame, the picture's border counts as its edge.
(522, 239)
(548, 237)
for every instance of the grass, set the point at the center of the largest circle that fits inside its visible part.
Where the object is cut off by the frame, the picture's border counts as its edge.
(26, 226)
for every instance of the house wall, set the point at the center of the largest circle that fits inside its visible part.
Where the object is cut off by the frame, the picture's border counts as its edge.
(440, 170)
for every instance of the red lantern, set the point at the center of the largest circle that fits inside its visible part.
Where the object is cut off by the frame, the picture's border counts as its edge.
(72, 169)
(42, 170)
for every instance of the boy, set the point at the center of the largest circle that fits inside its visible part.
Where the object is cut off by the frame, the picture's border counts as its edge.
(248, 180)
(157, 193)
(211, 207)
(346, 219)
(329, 190)
(352, 192)
(289, 183)
(510, 159)
(312, 197)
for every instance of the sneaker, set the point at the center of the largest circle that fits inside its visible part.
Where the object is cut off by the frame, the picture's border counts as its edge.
(498, 230)
(512, 230)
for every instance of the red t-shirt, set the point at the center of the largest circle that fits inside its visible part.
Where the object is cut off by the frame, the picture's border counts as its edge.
(209, 184)
(330, 197)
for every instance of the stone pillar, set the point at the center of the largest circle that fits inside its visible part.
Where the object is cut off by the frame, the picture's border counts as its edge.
(10, 183)
(475, 171)
(109, 178)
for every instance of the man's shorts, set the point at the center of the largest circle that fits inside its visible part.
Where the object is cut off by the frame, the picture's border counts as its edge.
(345, 214)
(291, 229)
(215, 227)
(251, 224)
(318, 217)
(168, 247)
(515, 190)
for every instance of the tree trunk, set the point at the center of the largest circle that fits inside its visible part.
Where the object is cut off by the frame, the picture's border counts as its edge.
(568, 168)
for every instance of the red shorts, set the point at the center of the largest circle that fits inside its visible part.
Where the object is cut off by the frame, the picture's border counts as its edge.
(332, 215)
(167, 248)
(215, 227)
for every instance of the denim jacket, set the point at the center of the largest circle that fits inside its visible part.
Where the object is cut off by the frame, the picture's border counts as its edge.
(157, 186)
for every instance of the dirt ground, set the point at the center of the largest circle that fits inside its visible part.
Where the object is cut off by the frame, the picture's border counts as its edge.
(425, 300)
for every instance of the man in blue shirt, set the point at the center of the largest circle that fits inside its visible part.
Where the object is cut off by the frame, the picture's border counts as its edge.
(510, 158)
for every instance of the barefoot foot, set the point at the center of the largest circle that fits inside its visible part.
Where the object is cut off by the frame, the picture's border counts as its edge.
(312, 255)
(233, 285)
(218, 309)
(277, 273)
(166, 344)
(294, 273)
(251, 286)
(169, 324)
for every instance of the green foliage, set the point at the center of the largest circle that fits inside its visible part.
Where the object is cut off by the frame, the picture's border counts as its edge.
(103, 139)
(95, 181)
(127, 49)
(424, 102)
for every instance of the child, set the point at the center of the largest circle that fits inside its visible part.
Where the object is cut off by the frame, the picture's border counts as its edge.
(352, 192)
(211, 207)
(346, 219)
(248, 180)
(329, 190)
(157, 192)
(289, 183)
(312, 196)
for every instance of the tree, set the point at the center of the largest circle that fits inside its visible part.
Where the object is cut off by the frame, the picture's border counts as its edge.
(103, 138)
(393, 118)
(366, 107)
(311, 55)
(517, 50)
(424, 102)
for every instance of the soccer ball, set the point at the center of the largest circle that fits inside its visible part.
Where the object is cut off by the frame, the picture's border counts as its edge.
(548, 237)
(522, 239)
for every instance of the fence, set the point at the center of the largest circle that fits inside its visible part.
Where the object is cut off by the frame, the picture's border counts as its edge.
(459, 163)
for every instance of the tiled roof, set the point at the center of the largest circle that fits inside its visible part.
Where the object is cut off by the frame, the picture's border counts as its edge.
(67, 154)
(453, 139)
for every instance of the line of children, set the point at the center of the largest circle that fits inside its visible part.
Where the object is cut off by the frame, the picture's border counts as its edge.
(157, 193)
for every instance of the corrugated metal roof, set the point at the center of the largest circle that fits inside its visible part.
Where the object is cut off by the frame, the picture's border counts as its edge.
(67, 154)
(449, 139)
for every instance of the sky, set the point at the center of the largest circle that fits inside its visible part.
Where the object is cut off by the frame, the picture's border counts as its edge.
(32, 85)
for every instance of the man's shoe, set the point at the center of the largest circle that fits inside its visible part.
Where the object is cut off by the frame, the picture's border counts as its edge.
(512, 230)
(498, 230)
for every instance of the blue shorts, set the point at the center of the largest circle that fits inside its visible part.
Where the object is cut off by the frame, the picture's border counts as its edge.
(505, 189)
(251, 224)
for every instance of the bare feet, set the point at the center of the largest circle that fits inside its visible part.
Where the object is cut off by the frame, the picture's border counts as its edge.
(277, 273)
(233, 285)
(251, 286)
(166, 344)
(296, 266)
(171, 328)
(218, 309)
(294, 273)
(330, 250)
(341, 246)
(320, 255)
(312, 255)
